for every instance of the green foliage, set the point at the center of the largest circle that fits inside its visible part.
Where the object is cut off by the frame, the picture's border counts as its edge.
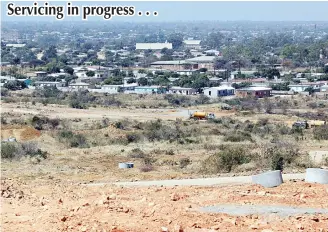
(238, 136)
(11, 150)
(225, 160)
(15, 85)
(72, 140)
(90, 73)
(321, 132)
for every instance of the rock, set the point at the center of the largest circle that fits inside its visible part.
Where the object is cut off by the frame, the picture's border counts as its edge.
(60, 201)
(217, 227)
(151, 204)
(164, 229)
(175, 197)
(254, 227)
(83, 229)
(266, 230)
(63, 219)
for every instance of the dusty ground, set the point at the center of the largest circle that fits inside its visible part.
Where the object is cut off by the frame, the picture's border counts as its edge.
(48, 195)
(61, 206)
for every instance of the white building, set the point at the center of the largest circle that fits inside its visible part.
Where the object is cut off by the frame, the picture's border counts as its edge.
(42, 84)
(302, 87)
(182, 91)
(79, 86)
(192, 44)
(153, 46)
(220, 91)
(15, 45)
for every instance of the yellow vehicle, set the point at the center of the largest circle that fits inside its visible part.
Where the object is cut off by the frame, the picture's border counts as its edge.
(309, 124)
(202, 115)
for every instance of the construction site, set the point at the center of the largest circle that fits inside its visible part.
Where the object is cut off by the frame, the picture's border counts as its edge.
(196, 168)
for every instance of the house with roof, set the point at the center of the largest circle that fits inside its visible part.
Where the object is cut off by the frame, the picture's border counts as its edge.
(202, 62)
(254, 91)
(42, 84)
(150, 89)
(153, 46)
(172, 65)
(212, 52)
(302, 87)
(182, 90)
(221, 91)
(192, 44)
(79, 86)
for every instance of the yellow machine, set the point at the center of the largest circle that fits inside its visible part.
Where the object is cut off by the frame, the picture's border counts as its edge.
(314, 123)
(309, 124)
(202, 115)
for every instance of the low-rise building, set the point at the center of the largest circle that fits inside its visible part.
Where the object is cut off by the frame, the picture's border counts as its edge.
(304, 86)
(252, 91)
(153, 46)
(150, 89)
(42, 84)
(192, 44)
(182, 91)
(79, 86)
(40, 74)
(220, 91)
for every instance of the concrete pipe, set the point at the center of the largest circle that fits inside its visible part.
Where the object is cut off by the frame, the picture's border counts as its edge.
(316, 175)
(123, 165)
(268, 179)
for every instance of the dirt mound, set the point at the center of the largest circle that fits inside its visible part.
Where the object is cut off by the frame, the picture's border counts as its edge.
(21, 134)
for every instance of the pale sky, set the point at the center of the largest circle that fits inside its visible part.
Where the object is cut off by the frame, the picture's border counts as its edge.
(194, 11)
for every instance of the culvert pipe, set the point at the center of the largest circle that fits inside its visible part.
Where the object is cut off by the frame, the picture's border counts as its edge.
(268, 179)
(123, 165)
(316, 175)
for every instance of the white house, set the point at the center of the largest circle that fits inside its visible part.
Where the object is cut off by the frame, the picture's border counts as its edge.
(192, 44)
(302, 87)
(79, 86)
(42, 84)
(182, 91)
(220, 91)
(153, 46)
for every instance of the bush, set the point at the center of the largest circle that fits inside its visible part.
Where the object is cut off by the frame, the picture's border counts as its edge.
(177, 99)
(280, 154)
(184, 162)
(238, 137)
(73, 140)
(146, 168)
(225, 160)
(321, 132)
(133, 137)
(41, 123)
(8, 150)
(137, 153)
(11, 150)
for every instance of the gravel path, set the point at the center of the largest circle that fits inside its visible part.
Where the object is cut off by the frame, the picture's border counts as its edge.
(198, 182)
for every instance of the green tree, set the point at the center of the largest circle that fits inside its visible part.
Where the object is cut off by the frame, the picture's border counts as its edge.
(143, 81)
(90, 73)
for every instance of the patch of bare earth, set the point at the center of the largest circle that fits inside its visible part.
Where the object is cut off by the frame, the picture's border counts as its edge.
(61, 206)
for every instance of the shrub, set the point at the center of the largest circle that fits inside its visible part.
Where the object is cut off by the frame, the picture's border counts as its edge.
(146, 168)
(41, 123)
(73, 140)
(184, 162)
(133, 137)
(10, 150)
(225, 160)
(321, 132)
(137, 153)
(169, 152)
(280, 154)
(238, 137)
